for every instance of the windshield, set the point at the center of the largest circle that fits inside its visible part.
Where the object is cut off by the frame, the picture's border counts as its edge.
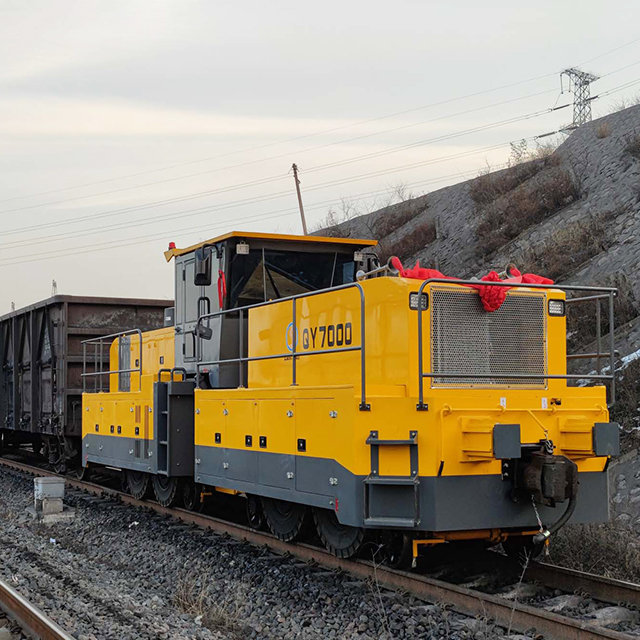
(268, 275)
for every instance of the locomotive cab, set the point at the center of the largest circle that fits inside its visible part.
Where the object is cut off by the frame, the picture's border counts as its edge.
(240, 270)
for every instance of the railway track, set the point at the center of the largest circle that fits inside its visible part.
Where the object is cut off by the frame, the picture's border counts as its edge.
(30, 620)
(508, 613)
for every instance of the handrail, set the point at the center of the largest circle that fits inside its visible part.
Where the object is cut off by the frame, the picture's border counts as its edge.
(292, 353)
(98, 372)
(601, 293)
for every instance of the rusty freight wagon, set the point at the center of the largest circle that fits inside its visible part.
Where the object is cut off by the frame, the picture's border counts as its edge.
(41, 356)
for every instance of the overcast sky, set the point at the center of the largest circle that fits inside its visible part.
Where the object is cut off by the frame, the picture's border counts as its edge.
(126, 125)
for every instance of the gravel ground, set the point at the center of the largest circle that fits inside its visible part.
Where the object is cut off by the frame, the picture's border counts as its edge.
(10, 631)
(119, 572)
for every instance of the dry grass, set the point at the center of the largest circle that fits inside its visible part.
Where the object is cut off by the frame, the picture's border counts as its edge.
(632, 145)
(581, 318)
(196, 595)
(568, 248)
(603, 130)
(609, 549)
(625, 103)
(524, 206)
(390, 213)
(491, 185)
(388, 222)
(410, 243)
(625, 409)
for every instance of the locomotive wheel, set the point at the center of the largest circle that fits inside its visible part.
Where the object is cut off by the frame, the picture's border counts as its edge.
(165, 489)
(340, 539)
(522, 549)
(137, 483)
(191, 495)
(287, 521)
(255, 513)
(399, 549)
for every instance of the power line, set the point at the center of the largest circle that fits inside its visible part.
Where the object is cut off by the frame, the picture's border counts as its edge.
(314, 134)
(602, 55)
(288, 140)
(259, 198)
(115, 244)
(164, 202)
(283, 155)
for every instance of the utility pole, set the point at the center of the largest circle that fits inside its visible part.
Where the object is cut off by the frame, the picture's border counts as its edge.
(294, 166)
(579, 82)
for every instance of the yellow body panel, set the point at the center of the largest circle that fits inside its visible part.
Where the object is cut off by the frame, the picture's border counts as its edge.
(129, 413)
(454, 435)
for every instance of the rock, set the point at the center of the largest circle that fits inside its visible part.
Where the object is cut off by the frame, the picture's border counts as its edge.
(523, 591)
(560, 603)
(614, 615)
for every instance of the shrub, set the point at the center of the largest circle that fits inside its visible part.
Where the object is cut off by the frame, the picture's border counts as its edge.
(632, 145)
(195, 594)
(603, 130)
(510, 215)
(567, 248)
(625, 103)
(581, 317)
(410, 243)
(491, 185)
(609, 549)
(625, 409)
(388, 222)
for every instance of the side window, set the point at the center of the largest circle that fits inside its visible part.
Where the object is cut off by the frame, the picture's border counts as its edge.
(192, 294)
(179, 303)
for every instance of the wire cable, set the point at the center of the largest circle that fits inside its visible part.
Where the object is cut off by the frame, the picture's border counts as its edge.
(277, 157)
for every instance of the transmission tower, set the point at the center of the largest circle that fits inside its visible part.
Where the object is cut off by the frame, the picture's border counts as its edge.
(579, 82)
(54, 288)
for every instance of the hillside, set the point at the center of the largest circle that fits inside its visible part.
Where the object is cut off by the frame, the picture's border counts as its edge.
(573, 215)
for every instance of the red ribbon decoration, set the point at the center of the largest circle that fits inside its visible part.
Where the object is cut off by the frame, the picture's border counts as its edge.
(491, 297)
(222, 289)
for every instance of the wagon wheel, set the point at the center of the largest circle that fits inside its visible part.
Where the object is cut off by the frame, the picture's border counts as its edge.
(255, 513)
(137, 483)
(192, 495)
(287, 521)
(522, 549)
(398, 548)
(166, 489)
(340, 539)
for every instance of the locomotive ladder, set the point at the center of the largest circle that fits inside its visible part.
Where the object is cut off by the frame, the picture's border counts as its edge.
(394, 490)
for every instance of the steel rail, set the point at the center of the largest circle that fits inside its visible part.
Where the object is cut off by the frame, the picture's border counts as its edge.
(599, 587)
(505, 613)
(31, 620)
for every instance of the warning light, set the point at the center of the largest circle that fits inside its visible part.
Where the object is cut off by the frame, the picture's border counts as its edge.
(172, 245)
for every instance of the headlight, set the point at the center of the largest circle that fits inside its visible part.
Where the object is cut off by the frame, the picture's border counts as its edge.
(556, 307)
(413, 301)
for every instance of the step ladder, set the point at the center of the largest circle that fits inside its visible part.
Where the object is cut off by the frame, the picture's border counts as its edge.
(392, 501)
(162, 427)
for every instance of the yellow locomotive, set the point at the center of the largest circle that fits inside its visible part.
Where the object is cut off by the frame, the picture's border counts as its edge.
(297, 373)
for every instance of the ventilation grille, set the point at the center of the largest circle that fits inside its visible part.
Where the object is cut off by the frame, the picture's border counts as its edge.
(467, 340)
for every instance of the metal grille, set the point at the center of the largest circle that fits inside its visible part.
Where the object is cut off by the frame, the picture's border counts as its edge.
(466, 339)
